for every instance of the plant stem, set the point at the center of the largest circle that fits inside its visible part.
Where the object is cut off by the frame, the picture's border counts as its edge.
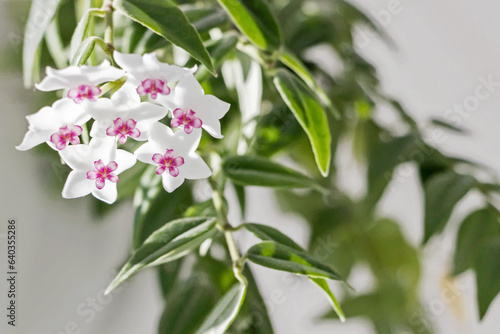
(109, 32)
(225, 226)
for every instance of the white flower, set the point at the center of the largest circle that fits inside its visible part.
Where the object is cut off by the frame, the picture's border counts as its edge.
(192, 109)
(150, 76)
(81, 81)
(124, 115)
(174, 155)
(95, 169)
(57, 125)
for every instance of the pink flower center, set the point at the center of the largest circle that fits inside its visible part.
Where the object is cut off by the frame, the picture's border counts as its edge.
(187, 118)
(82, 92)
(122, 129)
(168, 161)
(68, 133)
(101, 173)
(153, 87)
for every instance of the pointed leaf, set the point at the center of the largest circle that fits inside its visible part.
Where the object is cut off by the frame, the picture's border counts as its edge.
(280, 257)
(255, 19)
(309, 113)
(83, 28)
(265, 232)
(224, 313)
(477, 229)
(41, 13)
(488, 275)
(258, 171)
(296, 65)
(174, 240)
(166, 19)
(442, 193)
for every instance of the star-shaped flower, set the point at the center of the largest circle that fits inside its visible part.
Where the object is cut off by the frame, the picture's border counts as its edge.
(124, 115)
(81, 81)
(192, 109)
(149, 76)
(95, 169)
(58, 125)
(174, 156)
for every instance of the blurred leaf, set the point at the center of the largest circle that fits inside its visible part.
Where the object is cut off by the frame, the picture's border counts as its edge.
(224, 313)
(151, 209)
(258, 171)
(172, 241)
(166, 19)
(476, 230)
(296, 65)
(256, 20)
(55, 44)
(202, 209)
(279, 257)
(218, 50)
(488, 275)
(40, 16)
(309, 113)
(241, 195)
(442, 193)
(167, 276)
(384, 157)
(187, 306)
(253, 317)
(448, 126)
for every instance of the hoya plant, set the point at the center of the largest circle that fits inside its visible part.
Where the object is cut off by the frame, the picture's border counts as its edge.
(176, 107)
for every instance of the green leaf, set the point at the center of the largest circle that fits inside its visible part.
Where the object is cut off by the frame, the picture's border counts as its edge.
(448, 126)
(280, 257)
(167, 276)
(323, 284)
(224, 313)
(256, 20)
(265, 232)
(154, 206)
(442, 193)
(55, 44)
(83, 28)
(40, 16)
(268, 233)
(488, 275)
(85, 50)
(258, 171)
(174, 240)
(218, 51)
(187, 306)
(167, 20)
(202, 209)
(477, 229)
(296, 65)
(309, 113)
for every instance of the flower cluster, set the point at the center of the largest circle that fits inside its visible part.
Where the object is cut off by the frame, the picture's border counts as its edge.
(152, 91)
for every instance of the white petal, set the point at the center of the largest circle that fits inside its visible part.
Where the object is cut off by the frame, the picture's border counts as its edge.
(108, 194)
(171, 183)
(194, 168)
(212, 126)
(77, 185)
(184, 143)
(75, 156)
(188, 89)
(68, 112)
(99, 129)
(160, 135)
(102, 148)
(126, 95)
(73, 76)
(145, 153)
(33, 138)
(125, 160)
